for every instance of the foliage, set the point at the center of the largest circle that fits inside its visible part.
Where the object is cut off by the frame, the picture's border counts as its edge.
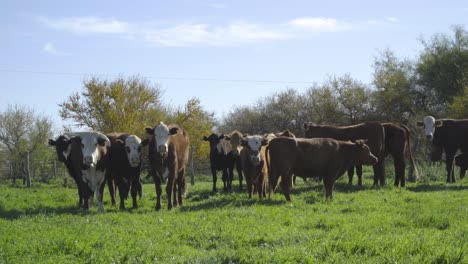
(424, 223)
(120, 105)
(442, 67)
(459, 106)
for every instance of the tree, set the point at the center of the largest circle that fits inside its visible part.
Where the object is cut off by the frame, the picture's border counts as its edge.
(121, 105)
(393, 80)
(442, 68)
(459, 107)
(322, 105)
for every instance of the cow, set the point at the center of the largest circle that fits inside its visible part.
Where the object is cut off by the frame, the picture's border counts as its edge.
(168, 154)
(94, 147)
(69, 152)
(372, 131)
(313, 157)
(446, 135)
(285, 133)
(235, 139)
(397, 140)
(461, 161)
(124, 165)
(252, 158)
(221, 159)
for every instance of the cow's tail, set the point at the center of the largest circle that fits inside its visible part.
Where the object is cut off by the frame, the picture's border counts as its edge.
(413, 164)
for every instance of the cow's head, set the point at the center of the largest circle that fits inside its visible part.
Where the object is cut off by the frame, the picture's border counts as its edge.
(133, 147)
(286, 133)
(253, 144)
(430, 123)
(161, 134)
(91, 143)
(235, 139)
(214, 140)
(364, 154)
(63, 147)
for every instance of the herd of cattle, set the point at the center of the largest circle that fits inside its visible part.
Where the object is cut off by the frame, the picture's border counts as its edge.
(326, 152)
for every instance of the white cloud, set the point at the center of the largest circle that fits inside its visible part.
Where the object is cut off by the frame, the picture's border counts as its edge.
(87, 25)
(49, 47)
(199, 34)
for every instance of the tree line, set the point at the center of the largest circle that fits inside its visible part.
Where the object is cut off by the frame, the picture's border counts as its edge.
(402, 90)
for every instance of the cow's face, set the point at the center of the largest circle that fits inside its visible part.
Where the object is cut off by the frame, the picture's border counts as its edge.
(91, 146)
(133, 150)
(214, 140)
(161, 134)
(429, 123)
(62, 146)
(235, 140)
(364, 154)
(254, 145)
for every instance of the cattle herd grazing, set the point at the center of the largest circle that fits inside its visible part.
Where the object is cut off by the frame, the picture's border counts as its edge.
(326, 152)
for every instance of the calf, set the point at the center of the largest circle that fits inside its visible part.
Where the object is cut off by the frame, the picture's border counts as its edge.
(93, 163)
(221, 159)
(168, 153)
(372, 131)
(69, 152)
(317, 157)
(461, 161)
(252, 158)
(124, 165)
(446, 135)
(235, 139)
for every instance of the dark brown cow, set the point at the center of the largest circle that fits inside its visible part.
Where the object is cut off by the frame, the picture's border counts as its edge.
(397, 139)
(373, 132)
(168, 153)
(317, 157)
(461, 161)
(252, 158)
(449, 136)
(286, 133)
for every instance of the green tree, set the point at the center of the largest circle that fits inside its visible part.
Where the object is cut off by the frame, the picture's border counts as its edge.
(459, 106)
(121, 105)
(442, 68)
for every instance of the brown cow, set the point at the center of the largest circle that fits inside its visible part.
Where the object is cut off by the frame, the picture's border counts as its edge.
(449, 136)
(235, 140)
(317, 157)
(168, 153)
(397, 139)
(461, 161)
(371, 131)
(252, 158)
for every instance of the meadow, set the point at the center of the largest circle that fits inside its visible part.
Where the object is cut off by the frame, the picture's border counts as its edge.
(426, 222)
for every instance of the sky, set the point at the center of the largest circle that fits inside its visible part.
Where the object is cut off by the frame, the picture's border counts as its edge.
(226, 53)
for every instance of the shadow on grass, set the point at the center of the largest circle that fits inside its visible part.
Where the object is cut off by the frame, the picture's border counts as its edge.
(436, 188)
(44, 210)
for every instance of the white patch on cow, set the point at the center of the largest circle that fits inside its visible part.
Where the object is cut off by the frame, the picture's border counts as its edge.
(67, 152)
(133, 150)
(255, 144)
(444, 156)
(161, 136)
(224, 146)
(89, 142)
(429, 126)
(94, 178)
(165, 174)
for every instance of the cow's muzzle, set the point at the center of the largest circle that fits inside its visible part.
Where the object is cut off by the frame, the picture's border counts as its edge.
(88, 162)
(255, 160)
(429, 137)
(162, 149)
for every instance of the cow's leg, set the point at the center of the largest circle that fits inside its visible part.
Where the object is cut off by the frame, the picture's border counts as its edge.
(100, 192)
(449, 166)
(359, 174)
(225, 179)
(249, 183)
(285, 185)
(215, 178)
(110, 177)
(379, 172)
(86, 192)
(170, 187)
(182, 186)
(328, 182)
(157, 186)
(135, 184)
(399, 164)
(350, 175)
(239, 172)
(230, 178)
(175, 191)
(140, 187)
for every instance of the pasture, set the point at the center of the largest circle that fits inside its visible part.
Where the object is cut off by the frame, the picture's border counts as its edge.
(426, 222)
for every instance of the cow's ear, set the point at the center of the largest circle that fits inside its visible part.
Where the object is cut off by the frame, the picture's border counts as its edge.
(265, 142)
(149, 130)
(101, 141)
(52, 142)
(222, 136)
(205, 138)
(439, 123)
(227, 138)
(144, 142)
(244, 142)
(420, 123)
(173, 131)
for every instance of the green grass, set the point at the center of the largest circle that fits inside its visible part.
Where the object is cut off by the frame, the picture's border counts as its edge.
(426, 222)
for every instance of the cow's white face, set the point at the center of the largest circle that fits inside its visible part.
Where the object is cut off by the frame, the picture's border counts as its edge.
(254, 144)
(90, 142)
(133, 150)
(161, 136)
(430, 124)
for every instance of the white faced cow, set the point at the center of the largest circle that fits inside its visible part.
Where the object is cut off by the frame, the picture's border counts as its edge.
(94, 151)
(252, 158)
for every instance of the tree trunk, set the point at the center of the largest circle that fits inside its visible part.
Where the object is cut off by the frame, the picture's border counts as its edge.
(27, 173)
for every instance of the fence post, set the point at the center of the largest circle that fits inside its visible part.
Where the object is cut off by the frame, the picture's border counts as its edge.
(28, 176)
(191, 166)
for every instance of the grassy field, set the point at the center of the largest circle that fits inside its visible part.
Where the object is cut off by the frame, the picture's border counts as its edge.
(426, 222)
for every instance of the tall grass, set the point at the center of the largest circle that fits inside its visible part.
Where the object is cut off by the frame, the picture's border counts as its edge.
(426, 222)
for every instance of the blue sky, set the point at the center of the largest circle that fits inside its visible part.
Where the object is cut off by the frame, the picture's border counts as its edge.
(226, 53)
